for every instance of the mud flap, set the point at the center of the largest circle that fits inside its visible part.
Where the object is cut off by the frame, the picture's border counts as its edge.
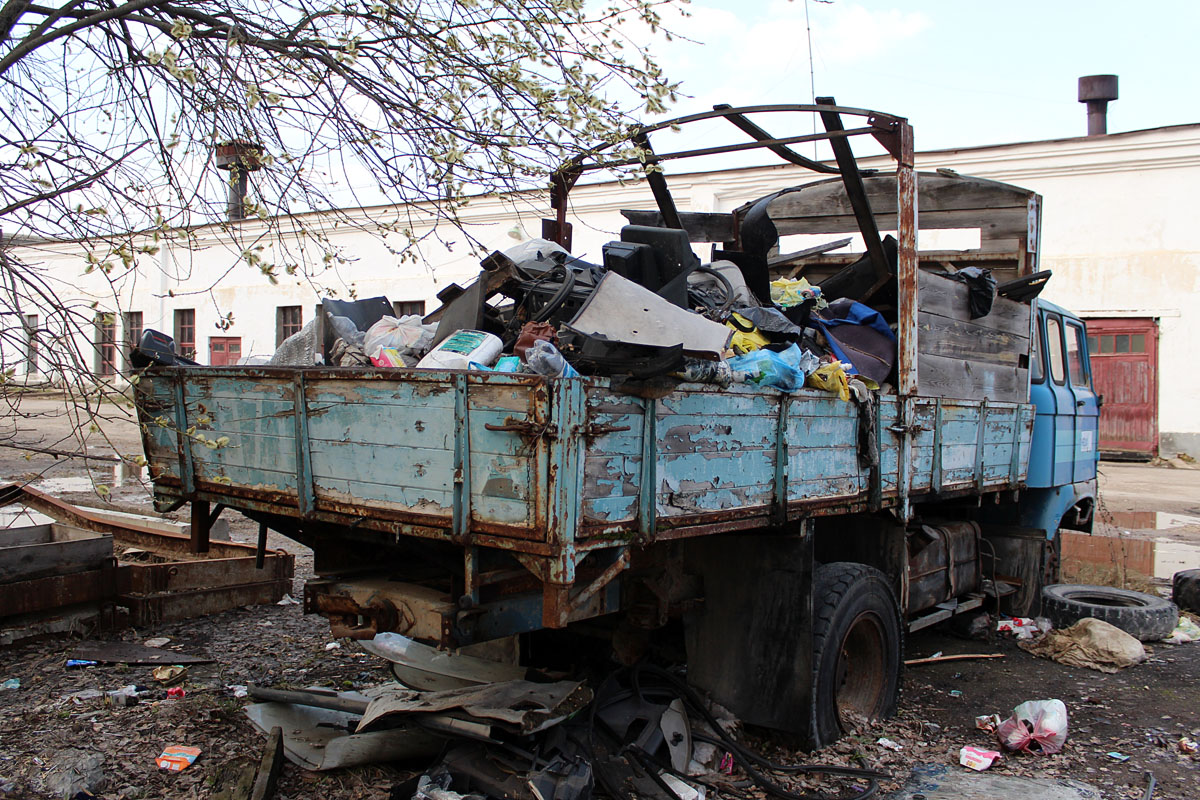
(749, 644)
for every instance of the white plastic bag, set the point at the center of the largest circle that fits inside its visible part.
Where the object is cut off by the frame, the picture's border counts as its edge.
(406, 334)
(1036, 726)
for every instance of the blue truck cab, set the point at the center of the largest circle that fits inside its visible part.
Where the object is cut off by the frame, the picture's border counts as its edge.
(1061, 484)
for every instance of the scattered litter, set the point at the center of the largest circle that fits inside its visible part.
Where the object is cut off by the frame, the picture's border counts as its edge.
(80, 662)
(169, 675)
(1186, 631)
(177, 758)
(237, 690)
(1090, 643)
(945, 782)
(682, 789)
(956, 692)
(288, 600)
(11, 683)
(1036, 726)
(158, 641)
(78, 697)
(1188, 746)
(938, 654)
(1115, 756)
(176, 692)
(1022, 627)
(333, 646)
(125, 696)
(977, 758)
(888, 744)
(987, 722)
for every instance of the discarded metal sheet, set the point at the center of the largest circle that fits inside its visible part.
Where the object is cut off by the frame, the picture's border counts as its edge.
(38, 551)
(938, 782)
(182, 585)
(623, 311)
(424, 668)
(319, 739)
(129, 653)
(523, 706)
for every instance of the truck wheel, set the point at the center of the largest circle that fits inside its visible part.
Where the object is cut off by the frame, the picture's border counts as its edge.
(1185, 590)
(857, 638)
(1145, 616)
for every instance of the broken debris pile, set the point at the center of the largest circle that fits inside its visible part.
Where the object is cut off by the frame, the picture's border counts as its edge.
(651, 316)
(642, 733)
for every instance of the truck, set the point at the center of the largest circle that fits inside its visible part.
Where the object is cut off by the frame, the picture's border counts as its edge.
(793, 537)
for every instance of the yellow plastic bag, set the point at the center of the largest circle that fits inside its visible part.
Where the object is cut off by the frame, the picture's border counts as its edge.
(745, 341)
(830, 378)
(786, 292)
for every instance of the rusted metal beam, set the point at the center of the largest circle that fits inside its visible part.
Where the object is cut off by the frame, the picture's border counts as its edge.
(857, 194)
(760, 135)
(658, 183)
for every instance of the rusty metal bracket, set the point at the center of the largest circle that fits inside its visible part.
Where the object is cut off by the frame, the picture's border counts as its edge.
(594, 429)
(619, 565)
(526, 429)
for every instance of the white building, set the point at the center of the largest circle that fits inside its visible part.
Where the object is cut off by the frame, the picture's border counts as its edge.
(1118, 232)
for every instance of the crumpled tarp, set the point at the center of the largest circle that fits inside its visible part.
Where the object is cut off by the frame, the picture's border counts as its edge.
(524, 706)
(1090, 643)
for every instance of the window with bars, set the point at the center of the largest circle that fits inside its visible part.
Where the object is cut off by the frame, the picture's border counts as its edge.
(133, 335)
(405, 308)
(288, 320)
(185, 332)
(106, 344)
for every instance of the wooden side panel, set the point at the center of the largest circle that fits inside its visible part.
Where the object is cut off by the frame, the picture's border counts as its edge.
(970, 359)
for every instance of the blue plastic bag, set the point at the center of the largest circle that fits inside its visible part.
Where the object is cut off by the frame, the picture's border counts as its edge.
(784, 370)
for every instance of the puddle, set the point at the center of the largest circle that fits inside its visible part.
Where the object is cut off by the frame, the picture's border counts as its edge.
(1150, 520)
(1159, 557)
(114, 477)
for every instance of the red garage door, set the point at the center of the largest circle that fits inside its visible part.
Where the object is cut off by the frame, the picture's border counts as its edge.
(1124, 354)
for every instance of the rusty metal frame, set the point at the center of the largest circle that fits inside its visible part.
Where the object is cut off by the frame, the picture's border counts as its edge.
(229, 576)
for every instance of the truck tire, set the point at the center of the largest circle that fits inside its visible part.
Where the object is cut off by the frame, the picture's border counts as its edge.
(1185, 590)
(1145, 616)
(857, 639)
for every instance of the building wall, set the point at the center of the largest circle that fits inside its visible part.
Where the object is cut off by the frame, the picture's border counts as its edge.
(1118, 232)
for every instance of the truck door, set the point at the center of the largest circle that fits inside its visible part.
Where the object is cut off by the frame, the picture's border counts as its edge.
(1087, 409)
(1052, 460)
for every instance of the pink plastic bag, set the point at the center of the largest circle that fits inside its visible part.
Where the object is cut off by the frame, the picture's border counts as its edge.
(1038, 726)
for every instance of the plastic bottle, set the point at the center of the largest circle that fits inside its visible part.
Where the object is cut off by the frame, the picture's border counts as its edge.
(461, 348)
(544, 359)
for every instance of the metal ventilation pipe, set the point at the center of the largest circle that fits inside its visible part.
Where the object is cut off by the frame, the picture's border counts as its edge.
(1096, 91)
(239, 158)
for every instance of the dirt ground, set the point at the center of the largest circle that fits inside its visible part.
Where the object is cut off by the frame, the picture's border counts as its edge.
(1141, 712)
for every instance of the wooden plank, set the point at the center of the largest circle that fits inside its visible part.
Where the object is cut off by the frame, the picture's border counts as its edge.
(955, 339)
(939, 376)
(935, 193)
(947, 297)
(993, 224)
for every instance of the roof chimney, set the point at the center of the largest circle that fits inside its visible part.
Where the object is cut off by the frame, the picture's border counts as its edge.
(1096, 91)
(239, 158)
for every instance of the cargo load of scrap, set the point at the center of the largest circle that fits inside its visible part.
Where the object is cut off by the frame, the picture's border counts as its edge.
(798, 454)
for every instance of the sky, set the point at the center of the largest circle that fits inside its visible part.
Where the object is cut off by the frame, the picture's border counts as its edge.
(964, 73)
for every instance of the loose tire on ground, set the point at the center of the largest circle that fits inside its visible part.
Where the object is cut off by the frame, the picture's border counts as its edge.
(857, 639)
(1185, 590)
(1145, 616)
